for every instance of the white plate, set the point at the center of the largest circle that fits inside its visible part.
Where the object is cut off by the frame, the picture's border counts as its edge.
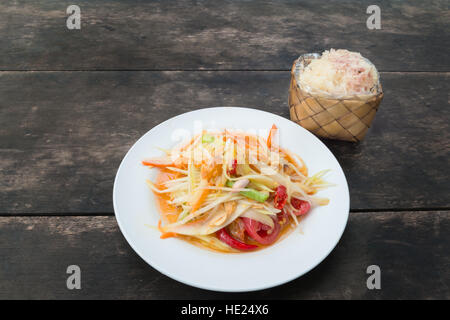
(286, 260)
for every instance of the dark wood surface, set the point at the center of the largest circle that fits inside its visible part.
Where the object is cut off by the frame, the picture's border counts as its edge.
(73, 102)
(411, 249)
(262, 35)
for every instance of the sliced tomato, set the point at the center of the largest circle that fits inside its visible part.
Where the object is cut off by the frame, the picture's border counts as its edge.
(302, 207)
(224, 236)
(280, 197)
(260, 232)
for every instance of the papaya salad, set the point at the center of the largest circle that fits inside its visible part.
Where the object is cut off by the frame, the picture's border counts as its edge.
(233, 192)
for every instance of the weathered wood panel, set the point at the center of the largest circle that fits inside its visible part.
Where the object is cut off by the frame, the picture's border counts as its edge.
(183, 34)
(411, 248)
(63, 135)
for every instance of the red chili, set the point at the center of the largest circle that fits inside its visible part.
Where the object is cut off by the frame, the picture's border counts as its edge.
(224, 236)
(301, 206)
(280, 197)
(232, 171)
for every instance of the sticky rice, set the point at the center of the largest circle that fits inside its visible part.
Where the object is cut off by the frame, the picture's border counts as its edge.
(339, 73)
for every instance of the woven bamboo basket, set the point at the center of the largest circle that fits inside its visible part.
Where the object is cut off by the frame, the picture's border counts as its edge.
(340, 119)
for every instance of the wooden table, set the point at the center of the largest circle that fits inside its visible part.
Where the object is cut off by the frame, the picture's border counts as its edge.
(72, 102)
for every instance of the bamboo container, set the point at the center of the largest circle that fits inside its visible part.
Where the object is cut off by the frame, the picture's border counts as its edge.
(346, 118)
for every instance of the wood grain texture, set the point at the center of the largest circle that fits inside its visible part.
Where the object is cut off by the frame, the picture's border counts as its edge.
(411, 248)
(63, 135)
(183, 34)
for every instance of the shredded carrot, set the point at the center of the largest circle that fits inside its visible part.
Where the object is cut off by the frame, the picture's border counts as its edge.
(159, 162)
(271, 136)
(168, 235)
(303, 169)
(165, 235)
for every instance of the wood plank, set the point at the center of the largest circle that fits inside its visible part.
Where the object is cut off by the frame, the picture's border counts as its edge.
(183, 34)
(411, 248)
(63, 135)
